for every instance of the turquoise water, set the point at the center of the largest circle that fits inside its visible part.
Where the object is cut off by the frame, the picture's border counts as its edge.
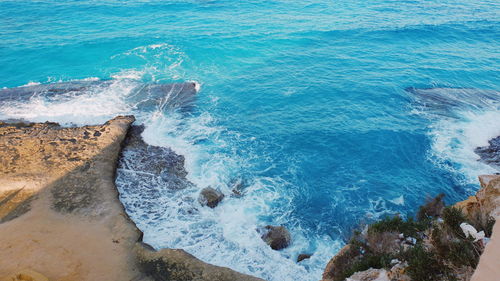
(304, 101)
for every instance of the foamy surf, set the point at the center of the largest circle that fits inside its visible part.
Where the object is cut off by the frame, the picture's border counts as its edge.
(226, 235)
(462, 119)
(454, 140)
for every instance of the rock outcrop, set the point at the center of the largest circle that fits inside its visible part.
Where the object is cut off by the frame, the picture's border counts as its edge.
(484, 204)
(277, 237)
(60, 216)
(440, 248)
(210, 197)
(370, 275)
(340, 262)
(490, 154)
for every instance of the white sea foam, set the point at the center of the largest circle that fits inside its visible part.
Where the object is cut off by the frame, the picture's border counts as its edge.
(94, 106)
(128, 74)
(31, 83)
(398, 200)
(454, 140)
(226, 235)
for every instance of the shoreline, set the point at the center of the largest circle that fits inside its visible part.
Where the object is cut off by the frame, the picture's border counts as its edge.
(60, 216)
(59, 203)
(376, 241)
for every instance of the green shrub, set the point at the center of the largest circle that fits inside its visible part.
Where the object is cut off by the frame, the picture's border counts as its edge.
(424, 265)
(366, 262)
(432, 209)
(458, 251)
(409, 227)
(453, 217)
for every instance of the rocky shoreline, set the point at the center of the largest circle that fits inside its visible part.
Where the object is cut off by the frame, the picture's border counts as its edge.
(60, 216)
(458, 242)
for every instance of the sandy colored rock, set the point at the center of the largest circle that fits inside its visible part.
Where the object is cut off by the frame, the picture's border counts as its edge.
(176, 264)
(488, 199)
(59, 210)
(340, 262)
(370, 275)
(26, 275)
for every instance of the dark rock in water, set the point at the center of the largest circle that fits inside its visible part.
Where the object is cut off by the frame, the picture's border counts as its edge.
(152, 159)
(236, 193)
(238, 186)
(148, 170)
(161, 96)
(302, 257)
(277, 237)
(490, 154)
(210, 197)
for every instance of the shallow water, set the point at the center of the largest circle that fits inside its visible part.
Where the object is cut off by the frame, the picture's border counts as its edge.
(304, 101)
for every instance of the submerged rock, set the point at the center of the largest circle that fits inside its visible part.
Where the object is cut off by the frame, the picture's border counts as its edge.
(277, 237)
(210, 197)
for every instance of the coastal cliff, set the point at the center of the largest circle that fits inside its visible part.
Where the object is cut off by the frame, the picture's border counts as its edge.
(60, 216)
(433, 247)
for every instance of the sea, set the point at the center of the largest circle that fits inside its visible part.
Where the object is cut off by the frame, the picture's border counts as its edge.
(305, 105)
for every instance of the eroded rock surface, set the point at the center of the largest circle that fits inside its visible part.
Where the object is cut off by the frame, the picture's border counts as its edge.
(490, 154)
(59, 210)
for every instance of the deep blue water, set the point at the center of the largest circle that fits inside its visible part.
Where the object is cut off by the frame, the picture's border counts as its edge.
(303, 100)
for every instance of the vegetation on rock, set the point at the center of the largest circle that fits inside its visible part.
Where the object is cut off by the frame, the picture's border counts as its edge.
(431, 247)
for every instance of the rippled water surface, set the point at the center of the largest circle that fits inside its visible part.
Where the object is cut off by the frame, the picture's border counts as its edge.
(302, 101)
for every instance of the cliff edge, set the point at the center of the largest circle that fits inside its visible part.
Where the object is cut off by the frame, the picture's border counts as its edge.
(60, 217)
(442, 243)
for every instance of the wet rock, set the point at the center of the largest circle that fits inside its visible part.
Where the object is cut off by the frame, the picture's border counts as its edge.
(148, 170)
(302, 257)
(490, 154)
(238, 186)
(210, 197)
(277, 237)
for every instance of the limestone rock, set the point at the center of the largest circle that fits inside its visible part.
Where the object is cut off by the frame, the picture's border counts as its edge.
(370, 275)
(277, 237)
(175, 264)
(25, 275)
(340, 262)
(210, 197)
(486, 202)
(60, 213)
